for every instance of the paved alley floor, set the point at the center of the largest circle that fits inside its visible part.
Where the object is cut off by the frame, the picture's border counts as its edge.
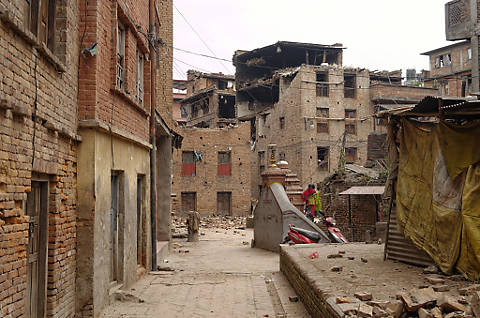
(220, 276)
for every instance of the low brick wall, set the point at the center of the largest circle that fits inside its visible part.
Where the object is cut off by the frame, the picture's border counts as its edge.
(312, 289)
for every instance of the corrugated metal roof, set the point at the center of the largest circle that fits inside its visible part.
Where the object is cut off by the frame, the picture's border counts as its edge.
(364, 190)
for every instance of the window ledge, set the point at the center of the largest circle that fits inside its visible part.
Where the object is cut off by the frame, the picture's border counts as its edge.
(7, 17)
(128, 98)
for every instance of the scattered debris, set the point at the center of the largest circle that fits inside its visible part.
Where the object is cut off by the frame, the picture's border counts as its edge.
(365, 310)
(441, 288)
(125, 296)
(431, 270)
(313, 255)
(363, 296)
(293, 299)
(334, 255)
(363, 259)
(336, 268)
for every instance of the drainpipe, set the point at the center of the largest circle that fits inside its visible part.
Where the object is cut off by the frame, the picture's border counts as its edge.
(153, 152)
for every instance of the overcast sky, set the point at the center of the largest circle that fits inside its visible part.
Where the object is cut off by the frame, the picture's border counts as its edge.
(378, 34)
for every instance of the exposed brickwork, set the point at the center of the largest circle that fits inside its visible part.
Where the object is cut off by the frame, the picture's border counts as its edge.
(206, 183)
(377, 146)
(38, 141)
(449, 78)
(363, 207)
(100, 99)
(313, 296)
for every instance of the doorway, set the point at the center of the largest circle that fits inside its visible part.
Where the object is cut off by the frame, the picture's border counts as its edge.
(37, 210)
(141, 239)
(224, 203)
(189, 201)
(116, 222)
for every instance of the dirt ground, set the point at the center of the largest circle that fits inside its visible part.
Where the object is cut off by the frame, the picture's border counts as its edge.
(219, 276)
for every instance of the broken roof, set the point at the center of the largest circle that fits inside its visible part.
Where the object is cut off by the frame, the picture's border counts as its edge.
(443, 48)
(364, 190)
(451, 107)
(280, 46)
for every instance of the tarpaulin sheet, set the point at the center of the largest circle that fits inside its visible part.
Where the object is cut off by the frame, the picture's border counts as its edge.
(438, 193)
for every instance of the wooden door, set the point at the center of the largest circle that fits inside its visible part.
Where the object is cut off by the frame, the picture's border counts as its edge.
(140, 230)
(189, 201)
(37, 210)
(114, 228)
(224, 203)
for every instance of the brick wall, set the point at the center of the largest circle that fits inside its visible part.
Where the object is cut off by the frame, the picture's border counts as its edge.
(206, 183)
(363, 207)
(38, 139)
(100, 99)
(377, 146)
(382, 91)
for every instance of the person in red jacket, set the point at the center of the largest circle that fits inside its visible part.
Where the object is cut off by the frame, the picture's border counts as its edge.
(308, 196)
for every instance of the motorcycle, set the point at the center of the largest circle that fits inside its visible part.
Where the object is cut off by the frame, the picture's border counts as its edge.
(302, 236)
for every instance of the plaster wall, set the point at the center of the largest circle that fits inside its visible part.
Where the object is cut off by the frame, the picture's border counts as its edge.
(96, 162)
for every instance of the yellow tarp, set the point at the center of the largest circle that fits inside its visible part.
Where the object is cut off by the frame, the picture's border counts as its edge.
(438, 193)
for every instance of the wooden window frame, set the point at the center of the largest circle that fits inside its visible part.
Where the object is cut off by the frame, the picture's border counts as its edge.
(120, 65)
(351, 158)
(322, 86)
(224, 166)
(323, 164)
(322, 110)
(323, 127)
(351, 131)
(140, 77)
(39, 19)
(349, 91)
(185, 169)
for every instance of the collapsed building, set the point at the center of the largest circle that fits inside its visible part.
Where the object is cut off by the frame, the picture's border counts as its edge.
(211, 173)
(210, 100)
(299, 97)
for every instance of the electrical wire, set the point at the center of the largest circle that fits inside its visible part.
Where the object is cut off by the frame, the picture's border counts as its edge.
(198, 35)
(196, 67)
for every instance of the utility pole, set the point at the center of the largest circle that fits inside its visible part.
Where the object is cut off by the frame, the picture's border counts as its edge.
(474, 45)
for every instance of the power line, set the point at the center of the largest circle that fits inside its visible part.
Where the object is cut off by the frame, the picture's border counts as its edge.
(198, 35)
(196, 67)
(204, 55)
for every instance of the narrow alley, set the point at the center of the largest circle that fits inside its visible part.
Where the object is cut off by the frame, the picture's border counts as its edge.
(219, 276)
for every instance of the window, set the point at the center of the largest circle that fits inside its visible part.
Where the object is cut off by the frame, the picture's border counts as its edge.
(350, 154)
(322, 84)
(40, 20)
(282, 122)
(350, 113)
(222, 84)
(183, 111)
(322, 158)
(466, 86)
(322, 127)
(469, 54)
(224, 163)
(351, 128)
(261, 159)
(322, 112)
(188, 164)
(139, 86)
(437, 62)
(120, 83)
(349, 85)
(448, 59)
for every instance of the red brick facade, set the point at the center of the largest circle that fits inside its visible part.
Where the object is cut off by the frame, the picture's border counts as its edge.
(38, 134)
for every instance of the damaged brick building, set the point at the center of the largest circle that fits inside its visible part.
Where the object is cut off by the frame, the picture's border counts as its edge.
(450, 69)
(212, 169)
(85, 111)
(38, 163)
(299, 97)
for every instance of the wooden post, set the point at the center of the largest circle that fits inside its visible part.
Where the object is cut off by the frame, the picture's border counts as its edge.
(193, 225)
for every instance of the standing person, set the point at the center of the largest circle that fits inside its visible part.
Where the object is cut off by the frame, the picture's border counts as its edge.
(318, 202)
(308, 197)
